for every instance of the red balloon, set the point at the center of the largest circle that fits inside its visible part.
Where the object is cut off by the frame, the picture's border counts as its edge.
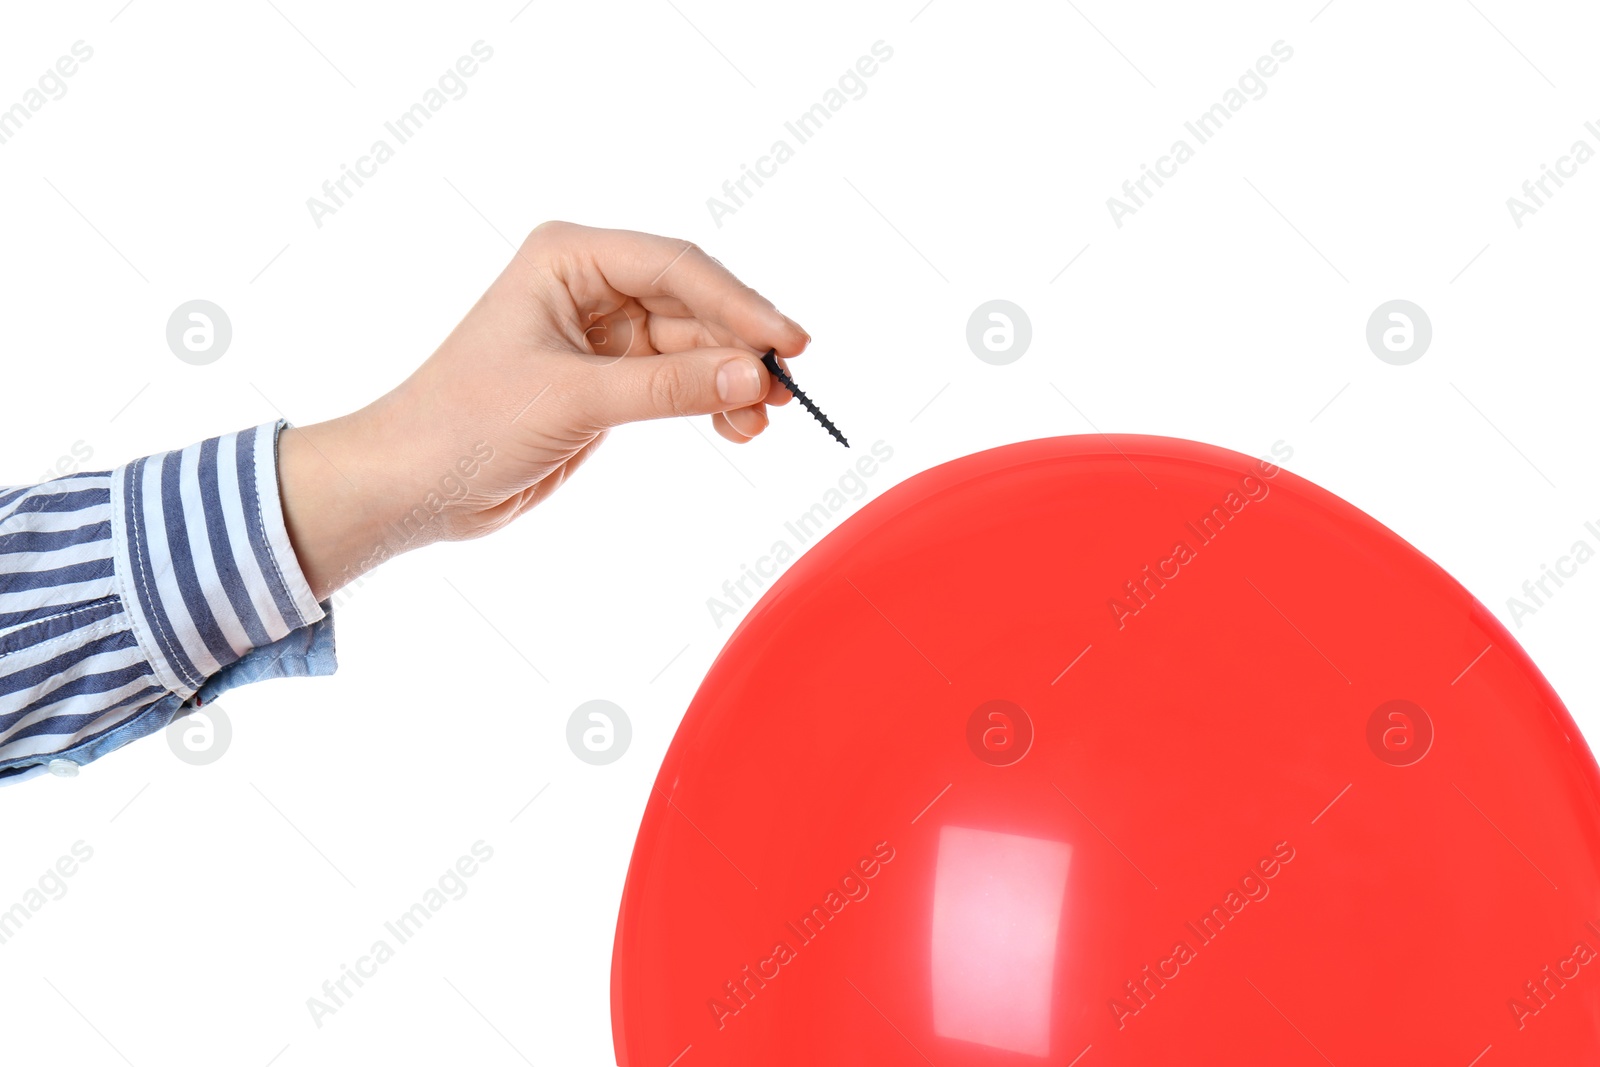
(1107, 751)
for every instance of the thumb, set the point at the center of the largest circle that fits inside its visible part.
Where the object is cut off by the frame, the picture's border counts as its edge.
(699, 381)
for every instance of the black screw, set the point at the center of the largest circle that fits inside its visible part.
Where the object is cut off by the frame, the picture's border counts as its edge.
(770, 360)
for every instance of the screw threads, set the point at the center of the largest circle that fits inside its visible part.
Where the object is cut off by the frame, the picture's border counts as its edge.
(770, 360)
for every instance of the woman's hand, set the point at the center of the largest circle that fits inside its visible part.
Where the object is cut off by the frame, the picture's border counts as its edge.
(584, 330)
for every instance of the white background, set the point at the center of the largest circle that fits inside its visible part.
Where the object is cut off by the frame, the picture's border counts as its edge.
(1231, 309)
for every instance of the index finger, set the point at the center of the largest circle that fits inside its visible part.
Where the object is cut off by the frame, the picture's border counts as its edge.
(643, 265)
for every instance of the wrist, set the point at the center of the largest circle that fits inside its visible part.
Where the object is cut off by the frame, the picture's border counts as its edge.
(338, 481)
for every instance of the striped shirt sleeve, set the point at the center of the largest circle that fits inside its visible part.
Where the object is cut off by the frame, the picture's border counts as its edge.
(130, 596)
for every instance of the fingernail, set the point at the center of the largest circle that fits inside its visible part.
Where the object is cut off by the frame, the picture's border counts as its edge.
(738, 382)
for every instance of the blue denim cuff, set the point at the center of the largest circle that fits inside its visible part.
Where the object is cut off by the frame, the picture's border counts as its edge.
(303, 653)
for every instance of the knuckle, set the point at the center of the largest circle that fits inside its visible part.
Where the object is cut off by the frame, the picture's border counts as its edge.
(691, 250)
(669, 388)
(739, 295)
(550, 228)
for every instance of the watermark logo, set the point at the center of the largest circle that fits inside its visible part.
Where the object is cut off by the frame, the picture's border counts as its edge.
(50, 886)
(1566, 567)
(52, 85)
(1140, 591)
(851, 85)
(598, 732)
(1536, 191)
(451, 85)
(1537, 993)
(999, 332)
(202, 737)
(804, 528)
(82, 452)
(1399, 332)
(738, 993)
(199, 332)
(1400, 733)
(1251, 888)
(423, 523)
(999, 732)
(1252, 85)
(451, 885)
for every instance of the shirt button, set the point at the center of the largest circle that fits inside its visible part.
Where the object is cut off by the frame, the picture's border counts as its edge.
(63, 768)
